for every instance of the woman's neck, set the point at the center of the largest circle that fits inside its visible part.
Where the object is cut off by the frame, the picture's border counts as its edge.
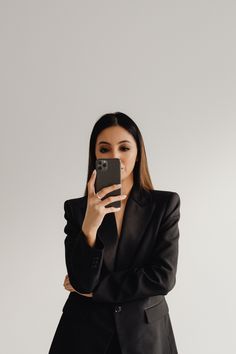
(126, 187)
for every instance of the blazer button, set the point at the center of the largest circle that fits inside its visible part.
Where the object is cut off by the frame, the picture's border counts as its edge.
(118, 308)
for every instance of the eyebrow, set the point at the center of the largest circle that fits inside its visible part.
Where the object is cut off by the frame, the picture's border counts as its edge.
(122, 141)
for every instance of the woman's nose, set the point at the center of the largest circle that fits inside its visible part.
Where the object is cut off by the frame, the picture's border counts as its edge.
(115, 155)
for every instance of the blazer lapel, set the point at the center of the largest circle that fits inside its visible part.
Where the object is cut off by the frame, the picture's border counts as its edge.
(120, 252)
(138, 212)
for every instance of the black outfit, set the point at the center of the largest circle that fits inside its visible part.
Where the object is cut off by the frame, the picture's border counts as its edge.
(129, 277)
(114, 347)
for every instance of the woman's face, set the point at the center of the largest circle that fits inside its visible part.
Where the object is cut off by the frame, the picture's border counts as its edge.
(110, 144)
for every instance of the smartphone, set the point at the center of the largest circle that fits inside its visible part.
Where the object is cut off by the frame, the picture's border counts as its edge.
(108, 173)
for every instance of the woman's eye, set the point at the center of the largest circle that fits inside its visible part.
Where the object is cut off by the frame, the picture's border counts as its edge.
(104, 150)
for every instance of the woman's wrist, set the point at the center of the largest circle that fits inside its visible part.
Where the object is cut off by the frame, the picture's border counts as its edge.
(90, 236)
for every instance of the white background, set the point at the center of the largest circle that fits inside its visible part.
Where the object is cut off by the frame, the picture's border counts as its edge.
(169, 65)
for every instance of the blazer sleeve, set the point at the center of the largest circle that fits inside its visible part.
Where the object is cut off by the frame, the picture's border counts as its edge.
(158, 275)
(83, 262)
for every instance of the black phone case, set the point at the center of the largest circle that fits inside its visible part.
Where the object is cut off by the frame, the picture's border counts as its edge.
(108, 173)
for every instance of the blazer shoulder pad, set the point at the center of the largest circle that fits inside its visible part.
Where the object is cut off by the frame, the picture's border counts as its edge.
(165, 194)
(169, 199)
(76, 202)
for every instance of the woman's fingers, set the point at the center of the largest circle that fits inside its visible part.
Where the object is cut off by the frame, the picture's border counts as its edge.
(106, 190)
(67, 285)
(66, 280)
(87, 295)
(91, 183)
(70, 288)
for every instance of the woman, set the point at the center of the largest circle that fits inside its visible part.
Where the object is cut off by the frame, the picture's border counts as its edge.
(120, 262)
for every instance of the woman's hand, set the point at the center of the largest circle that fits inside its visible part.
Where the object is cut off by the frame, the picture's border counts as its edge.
(69, 287)
(96, 209)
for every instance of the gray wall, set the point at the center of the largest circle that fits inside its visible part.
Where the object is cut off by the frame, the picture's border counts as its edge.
(170, 65)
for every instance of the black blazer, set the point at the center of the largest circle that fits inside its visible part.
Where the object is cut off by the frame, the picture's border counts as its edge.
(129, 277)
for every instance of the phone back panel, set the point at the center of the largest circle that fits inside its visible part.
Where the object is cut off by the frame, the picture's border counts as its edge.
(108, 173)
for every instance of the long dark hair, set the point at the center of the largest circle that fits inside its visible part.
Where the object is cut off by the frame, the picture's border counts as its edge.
(142, 178)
